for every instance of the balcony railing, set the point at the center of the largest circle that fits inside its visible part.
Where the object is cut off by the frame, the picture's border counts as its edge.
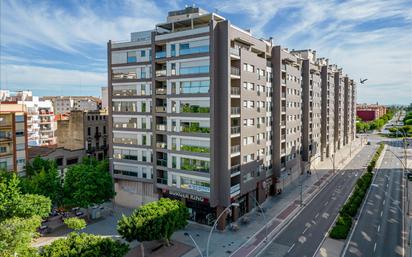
(162, 145)
(283, 67)
(160, 109)
(235, 51)
(235, 149)
(234, 190)
(283, 95)
(235, 91)
(162, 162)
(235, 169)
(235, 130)
(283, 123)
(235, 110)
(161, 127)
(160, 54)
(160, 91)
(283, 108)
(235, 71)
(162, 181)
(161, 73)
(283, 136)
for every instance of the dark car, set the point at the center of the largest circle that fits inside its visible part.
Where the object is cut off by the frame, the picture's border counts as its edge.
(409, 175)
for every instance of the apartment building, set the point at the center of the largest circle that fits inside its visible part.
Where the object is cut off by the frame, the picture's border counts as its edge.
(202, 111)
(65, 104)
(13, 137)
(369, 112)
(85, 130)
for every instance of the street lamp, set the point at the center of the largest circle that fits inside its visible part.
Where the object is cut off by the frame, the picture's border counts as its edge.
(264, 218)
(227, 209)
(194, 242)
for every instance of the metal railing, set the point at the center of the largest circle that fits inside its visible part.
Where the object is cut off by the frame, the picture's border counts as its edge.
(235, 149)
(235, 110)
(235, 71)
(235, 91)
(235, 130)
(235, 51)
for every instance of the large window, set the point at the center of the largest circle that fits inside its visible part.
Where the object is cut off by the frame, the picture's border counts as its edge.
(125, 154)
(120, 74)
(193, 184)
(129, 139)
(194, 165)
(124, 122)
(186, 49)
(124, 90)
(195, 87)
(131, 56)
(124, 106)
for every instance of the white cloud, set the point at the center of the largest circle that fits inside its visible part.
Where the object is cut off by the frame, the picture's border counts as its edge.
(50, 79)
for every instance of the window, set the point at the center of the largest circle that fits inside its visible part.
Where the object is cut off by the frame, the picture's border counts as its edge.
(194, 70)
(131, 56)
(173, 50)
(59, 161)
(143, 72)
(104, 129)
(19, 133)
(143, 107)
(195, 87)
(3, 149)
(20, 147)
(19, 118)
(72, 161)
(143, 53)
(89, 131)
(3, 165)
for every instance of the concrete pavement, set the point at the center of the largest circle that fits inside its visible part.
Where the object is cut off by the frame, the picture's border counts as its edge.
(380, 227)
(303, 236)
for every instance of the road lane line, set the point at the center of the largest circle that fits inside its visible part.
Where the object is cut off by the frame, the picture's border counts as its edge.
(316, 215)
(305, 230)
(384, 202)
(379, 228)
(290, 249)
(326, 203)
(381, 213)
(374, 247)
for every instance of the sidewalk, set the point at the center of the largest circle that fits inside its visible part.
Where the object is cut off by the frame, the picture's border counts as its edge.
(279, 211)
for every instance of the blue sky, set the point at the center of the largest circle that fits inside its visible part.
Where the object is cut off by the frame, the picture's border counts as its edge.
(59, 47)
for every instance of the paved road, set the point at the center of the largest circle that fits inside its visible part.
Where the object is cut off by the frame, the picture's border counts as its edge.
(304, 234)
(378, 232)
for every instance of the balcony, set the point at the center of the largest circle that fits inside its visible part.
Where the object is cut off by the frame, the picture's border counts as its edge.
(283, 67)
(235, 91)
(283, 95)
(162, 162)
(283, 137)
(161, 73)
(162, 181)
(283, 151)
(235, 170)
(234, 51)
(283, 108)
(234, 71)
(160, 54)
(234, 190)
(161, 109)
(161, 145)
(235, 110)
(235, 130)
(283, 123)
(161, 127)
(235, 149)
(161, 91)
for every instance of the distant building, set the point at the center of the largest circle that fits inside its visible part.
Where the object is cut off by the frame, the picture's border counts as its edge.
(369, 112)
(84, 130)
(65, 104)
(105, 98)
(13, 137)
(64, 157)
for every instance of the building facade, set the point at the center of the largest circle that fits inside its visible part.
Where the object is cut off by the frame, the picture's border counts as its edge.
(202, 111)
(369, 112)
(84, 130)
(13, 137)
(66, 104)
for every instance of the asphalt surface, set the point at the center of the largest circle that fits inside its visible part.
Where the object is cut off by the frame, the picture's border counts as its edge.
(305, 233)
(378, 232)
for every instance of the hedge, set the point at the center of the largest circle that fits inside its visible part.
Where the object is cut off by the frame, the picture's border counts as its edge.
(349, 210)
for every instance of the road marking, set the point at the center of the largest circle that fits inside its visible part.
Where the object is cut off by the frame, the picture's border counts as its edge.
(305, 230)
(326, 203)
(379, 228)
(316, 215)
(384, 202)
(381, 213)
(290, 249)
(374, 247)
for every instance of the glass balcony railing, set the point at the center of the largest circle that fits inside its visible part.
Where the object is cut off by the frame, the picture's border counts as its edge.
(194, 70)
(235, 149)
(235, 91)
(235, 130)
(194, 50)
(235, 110)
(160, 54)
(235, 71)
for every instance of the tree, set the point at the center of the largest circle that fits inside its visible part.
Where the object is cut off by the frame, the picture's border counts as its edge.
(408, 121)
(154, 221)
(43, 179)
(16, 235)
(75, 223)
(88, 183)
(84, 245)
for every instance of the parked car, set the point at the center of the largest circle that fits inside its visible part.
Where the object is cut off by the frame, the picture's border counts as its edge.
(409, 175)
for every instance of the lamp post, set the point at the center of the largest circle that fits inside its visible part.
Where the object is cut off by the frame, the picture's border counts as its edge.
(194, 242)
(264, 217)
(227, 209)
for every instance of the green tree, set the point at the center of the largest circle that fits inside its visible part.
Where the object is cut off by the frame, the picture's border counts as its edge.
(154, 221)
(75, 223)
(85, 245)
(43, 179)
(16, 235)
(88, 183)
(408, 121)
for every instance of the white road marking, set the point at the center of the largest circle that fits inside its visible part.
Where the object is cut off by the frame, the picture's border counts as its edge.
(384, 202)
(316, 215)
(290, 249)
(374, 247)
(305, 230)
(379, 228)
(381, 213)
(326, 203)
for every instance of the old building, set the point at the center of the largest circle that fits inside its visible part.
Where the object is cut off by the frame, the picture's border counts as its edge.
(84, 130)
(65, 104)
